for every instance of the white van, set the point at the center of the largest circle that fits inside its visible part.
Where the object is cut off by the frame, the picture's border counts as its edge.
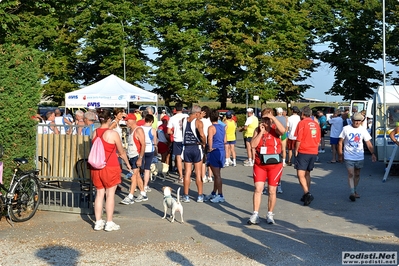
(385, 119)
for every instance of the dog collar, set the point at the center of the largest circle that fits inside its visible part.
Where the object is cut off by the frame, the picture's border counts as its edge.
(166, 197)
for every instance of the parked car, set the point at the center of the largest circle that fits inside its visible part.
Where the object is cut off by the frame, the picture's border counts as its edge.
(328, 111)
(160, 109)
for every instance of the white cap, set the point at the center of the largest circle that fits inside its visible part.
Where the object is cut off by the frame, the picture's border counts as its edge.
(250, 110)
(279, 110)
(92, 107)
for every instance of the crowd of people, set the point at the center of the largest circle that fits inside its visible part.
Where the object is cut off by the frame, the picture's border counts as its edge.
(203, 142)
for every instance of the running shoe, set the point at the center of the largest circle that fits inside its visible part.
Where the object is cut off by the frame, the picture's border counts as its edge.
(111, 226)
(249, 164)
(200, 198)
(269, 218)
(308, 198)
(217, 199)
(254, 219)
(141, 198)
(185, 198)
(99, 225)
(352, 197)
(127, 200)
(209, 197)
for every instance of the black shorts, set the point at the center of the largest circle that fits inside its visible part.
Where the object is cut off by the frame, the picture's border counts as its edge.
(305, 162)
(147, 160)
(133, 162)
(177, 148)
(192, 154)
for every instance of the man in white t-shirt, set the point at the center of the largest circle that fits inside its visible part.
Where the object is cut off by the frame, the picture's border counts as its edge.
(351, 140)
(175, 128)
(292, 122)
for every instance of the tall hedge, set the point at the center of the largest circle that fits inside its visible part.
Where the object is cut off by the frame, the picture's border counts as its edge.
(20, 92)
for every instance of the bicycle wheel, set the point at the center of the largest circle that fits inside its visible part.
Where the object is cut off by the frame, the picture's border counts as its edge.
(26, 199)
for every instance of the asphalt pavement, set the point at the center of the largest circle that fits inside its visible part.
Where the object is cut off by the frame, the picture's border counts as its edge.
(217, 233)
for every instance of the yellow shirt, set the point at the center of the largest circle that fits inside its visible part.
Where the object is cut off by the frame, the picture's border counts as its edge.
(251, 123)
(231, 129)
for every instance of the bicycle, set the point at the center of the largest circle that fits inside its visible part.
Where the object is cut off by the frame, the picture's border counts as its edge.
(23, 196)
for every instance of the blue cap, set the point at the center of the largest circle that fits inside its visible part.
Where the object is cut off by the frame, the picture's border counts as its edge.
(228, 114)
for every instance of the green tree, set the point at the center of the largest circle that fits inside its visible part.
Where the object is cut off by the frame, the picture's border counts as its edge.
(259, 46)
(19, 93)
(179, 68)
(106, 30)
(354, 44)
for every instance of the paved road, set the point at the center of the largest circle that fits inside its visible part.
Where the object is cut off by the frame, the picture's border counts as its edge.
(218, 233)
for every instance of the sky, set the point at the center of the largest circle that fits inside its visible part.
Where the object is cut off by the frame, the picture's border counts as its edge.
(321, 80)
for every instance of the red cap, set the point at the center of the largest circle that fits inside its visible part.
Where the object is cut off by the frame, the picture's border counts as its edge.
(165, 117)
(130, 117)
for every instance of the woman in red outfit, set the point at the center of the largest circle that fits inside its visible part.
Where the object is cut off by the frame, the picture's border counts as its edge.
(268, 162)
(106, 180)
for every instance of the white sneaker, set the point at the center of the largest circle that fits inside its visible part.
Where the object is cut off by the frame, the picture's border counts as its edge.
(254, 219)
(269, 218)
(210, 179)
(234, 164)
(322, 151)
(250, 163)
(147, 189)
(99, 225)
(205, 179)
(127, 200)
(279, 190)
(226, 164)
(111, 226)
(284, 164)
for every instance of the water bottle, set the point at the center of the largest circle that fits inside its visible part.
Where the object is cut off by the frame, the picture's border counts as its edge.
(129, 175)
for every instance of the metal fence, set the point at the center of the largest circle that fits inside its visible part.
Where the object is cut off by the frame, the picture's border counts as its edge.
(62, 161)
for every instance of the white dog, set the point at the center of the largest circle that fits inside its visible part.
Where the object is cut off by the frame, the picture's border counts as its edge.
(170, 202)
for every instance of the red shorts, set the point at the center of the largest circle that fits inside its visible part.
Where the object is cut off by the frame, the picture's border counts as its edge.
(272, 173)
(291, 144)
(107, 177)
(162, 147)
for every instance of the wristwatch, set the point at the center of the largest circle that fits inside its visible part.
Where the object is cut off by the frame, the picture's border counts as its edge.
(141, 157)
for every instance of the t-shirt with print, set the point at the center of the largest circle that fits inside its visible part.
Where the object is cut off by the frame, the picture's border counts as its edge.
(353, 142)
(308, 133)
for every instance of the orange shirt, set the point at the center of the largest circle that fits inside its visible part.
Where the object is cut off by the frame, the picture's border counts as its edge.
(308, 133)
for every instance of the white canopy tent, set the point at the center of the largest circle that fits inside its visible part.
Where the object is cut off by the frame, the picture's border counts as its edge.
(109, 92)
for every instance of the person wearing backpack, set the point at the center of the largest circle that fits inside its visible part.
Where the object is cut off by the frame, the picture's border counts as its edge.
(107, 179)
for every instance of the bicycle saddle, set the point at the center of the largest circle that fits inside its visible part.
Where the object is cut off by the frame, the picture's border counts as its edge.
(21, 160)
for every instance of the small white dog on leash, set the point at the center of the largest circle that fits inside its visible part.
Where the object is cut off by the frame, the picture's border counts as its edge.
(170, 202)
